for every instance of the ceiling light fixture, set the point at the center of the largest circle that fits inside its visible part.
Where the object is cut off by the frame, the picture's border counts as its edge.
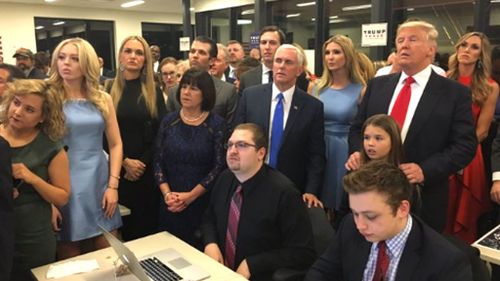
(248, 12)
(38, 27)
(305, 4)
(410, 9)
(243, 21)
(58, 23)
(50, 1)
(293, 15)
(132, 3)
(191, 9)
(355, 8)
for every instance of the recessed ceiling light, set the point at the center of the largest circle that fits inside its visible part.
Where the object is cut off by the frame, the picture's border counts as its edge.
(50, 1)
(358, 7)
(243, 21)
(334, 17)
(410, 9)
(191, 9)
(248, 12)
(58, 23)
(293, 15)
(38, 27)
(305, 4)
(132, 3)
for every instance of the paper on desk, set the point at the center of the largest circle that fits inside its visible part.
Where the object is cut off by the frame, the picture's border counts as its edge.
(71, 267)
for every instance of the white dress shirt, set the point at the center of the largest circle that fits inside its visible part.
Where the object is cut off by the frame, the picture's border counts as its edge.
(265, 74)
(417, 90)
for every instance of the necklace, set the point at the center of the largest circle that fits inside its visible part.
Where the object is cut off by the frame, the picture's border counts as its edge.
(202, 114)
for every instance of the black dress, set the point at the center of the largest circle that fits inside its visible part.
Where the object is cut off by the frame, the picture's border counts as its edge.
(185, 157)
(138, 132)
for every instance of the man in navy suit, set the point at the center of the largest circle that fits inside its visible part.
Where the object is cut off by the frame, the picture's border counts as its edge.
(437, 130)
(6, 212)
(301, 152)
(381, 231)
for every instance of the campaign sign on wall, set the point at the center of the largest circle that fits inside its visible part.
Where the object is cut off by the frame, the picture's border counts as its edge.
(374, 34)
(254, 40)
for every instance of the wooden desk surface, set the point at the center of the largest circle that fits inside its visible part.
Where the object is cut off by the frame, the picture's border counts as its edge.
(143, 247)
(487, 253)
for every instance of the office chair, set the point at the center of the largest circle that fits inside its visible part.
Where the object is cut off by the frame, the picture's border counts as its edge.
(322, 235)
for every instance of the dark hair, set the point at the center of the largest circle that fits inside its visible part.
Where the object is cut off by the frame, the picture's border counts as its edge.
(14, 72)
(381, 177)
(204, 82)
(245, 65)
(386, 123)
(42, 59)
(230, 42)
(208, 40)
(273, 28)
(258, 137)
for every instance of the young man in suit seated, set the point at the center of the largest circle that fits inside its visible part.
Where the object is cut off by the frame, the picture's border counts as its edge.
(256, 221)
(381, 240)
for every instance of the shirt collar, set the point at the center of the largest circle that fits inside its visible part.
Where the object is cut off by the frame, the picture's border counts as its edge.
(265, 69)
(249, 184)
(396, 244)
(421, 77)
(287, 95)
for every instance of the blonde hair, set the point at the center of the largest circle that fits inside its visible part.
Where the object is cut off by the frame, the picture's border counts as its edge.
(52, 109)
(366, 65)
(432, 33)
(89, 65)
(480, 86)
(351, 63)
(148, 89)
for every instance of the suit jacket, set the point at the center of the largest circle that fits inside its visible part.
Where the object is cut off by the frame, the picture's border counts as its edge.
(495, 152)
(441, 138)
(7, 232)
(427, 256)
(274, 230)
(251, 78)
(225, 103)
(302, 153)
(36, 73)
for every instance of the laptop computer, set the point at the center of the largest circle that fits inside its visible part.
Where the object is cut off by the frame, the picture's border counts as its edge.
(147, 269)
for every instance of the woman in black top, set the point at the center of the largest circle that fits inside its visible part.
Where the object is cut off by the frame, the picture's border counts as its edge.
(139, 109)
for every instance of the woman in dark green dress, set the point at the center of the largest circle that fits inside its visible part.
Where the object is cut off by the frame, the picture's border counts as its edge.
(33, 124)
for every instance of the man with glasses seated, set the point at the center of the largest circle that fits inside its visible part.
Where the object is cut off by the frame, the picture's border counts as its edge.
(256, 221)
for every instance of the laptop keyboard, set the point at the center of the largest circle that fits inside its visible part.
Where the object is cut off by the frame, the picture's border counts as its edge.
(158, 271)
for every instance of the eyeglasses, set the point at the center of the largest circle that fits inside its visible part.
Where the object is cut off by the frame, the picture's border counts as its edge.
(240, 145)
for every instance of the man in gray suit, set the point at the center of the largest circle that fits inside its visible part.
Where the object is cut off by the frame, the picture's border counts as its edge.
(271, 37)
(202, 54)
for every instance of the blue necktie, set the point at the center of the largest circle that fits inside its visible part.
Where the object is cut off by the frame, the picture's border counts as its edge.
(276, 132)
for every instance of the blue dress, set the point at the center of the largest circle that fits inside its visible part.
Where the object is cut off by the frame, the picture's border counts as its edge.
(185, 157)
(340, 107)
(89, 173)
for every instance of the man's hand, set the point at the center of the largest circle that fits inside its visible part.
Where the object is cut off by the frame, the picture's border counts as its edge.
(243, 269)
(212, 250)
(413, 172)
(495, 192)
(134, 169)
(353, 162)
(311, 200)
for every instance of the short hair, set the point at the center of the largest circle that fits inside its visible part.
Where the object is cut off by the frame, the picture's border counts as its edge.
(300, 55)
(208, 40)
(14, 72)
(42, 59)
(204, 82)
(386, 123)
(221, 47)
(273, 28)
(383, 178)
(52, 107)
(245, 65)
(166, 60)
(258, 135)
(231, 42)
(432, 33)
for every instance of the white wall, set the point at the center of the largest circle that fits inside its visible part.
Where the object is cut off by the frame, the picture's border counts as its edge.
(17, 27)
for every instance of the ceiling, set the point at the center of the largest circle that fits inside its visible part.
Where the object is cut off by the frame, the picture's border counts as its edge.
(170, 6)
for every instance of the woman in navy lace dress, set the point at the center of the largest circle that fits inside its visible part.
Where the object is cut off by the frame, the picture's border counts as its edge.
(189, 156)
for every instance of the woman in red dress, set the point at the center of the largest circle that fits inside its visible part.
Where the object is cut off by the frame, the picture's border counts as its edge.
(469, 198)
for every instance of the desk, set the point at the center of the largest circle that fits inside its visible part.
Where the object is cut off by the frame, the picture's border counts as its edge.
(490, 254)
(143, 247)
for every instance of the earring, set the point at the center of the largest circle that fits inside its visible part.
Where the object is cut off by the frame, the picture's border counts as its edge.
(122, 67)
(479, 64)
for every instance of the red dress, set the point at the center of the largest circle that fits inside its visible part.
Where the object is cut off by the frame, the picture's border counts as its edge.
(468, 193)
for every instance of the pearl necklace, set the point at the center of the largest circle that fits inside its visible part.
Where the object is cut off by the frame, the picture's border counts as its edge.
(202, 114)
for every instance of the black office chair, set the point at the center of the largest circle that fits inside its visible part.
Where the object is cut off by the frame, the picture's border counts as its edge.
(322, 235)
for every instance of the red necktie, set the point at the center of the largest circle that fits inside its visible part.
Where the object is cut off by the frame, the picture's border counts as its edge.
(401, 105)
(232, 227)
(382, 263)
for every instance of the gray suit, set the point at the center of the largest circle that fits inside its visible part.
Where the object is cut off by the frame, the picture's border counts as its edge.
(251, 78)
(225, 103)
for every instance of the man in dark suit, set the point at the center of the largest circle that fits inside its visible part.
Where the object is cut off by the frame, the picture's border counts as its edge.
(300, 152)
(272, 229)
(437, 126)
(236, 55)
(6, 211)
(25, 60)
(203, 52)
(381, 240)
(271, 37)
(220, 64)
